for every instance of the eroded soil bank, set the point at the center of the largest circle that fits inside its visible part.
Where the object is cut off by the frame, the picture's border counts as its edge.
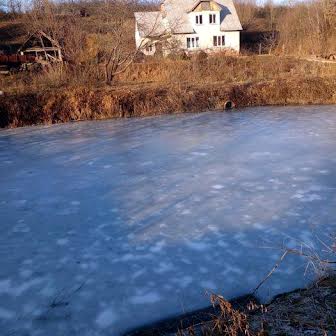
(74, 104)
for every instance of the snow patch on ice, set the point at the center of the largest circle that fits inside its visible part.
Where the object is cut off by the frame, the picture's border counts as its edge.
(164, 267)
(222, 243)
(6, 314)
(62, 241)
(208, 284)
(106, 318)
(304, 197)
(198, 245)
(158, 246)
(324, 172)
(147, 298)
(199, 153)
(26, 273)
(185, 281)
(258, 226)
(5, 286)
(218, 187)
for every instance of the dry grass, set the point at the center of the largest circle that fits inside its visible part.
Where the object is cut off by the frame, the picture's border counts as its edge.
(310, 311)
(81, 103)
(159, 72)
(64, 94)
(229, 322)
(221, 68)
(303, 312)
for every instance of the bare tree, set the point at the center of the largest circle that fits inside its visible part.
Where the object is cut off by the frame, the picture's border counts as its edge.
(64, 27)
(330, 13)
(106, 42)
(13, 7)
(116, 49)
(305, 29)
(247, 10)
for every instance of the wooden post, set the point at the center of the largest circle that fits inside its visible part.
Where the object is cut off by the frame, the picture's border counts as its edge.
(45, 53)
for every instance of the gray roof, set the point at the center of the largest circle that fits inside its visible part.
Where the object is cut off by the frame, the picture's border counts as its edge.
(150, 23)
(177, 17)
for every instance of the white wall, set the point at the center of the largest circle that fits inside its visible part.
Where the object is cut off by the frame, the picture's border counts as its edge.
(205, 32)
(232, 40)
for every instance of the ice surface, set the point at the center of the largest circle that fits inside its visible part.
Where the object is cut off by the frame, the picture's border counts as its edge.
(106, 226)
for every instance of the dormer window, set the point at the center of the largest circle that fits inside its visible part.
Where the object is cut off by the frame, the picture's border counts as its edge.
(212, 18)
(199, 19)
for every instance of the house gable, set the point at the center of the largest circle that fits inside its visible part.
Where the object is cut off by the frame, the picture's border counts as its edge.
(201, 6)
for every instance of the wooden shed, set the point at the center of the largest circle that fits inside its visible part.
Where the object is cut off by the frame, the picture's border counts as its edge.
(43, 47)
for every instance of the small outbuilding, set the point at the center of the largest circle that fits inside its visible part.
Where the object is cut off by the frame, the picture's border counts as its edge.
(42, 47)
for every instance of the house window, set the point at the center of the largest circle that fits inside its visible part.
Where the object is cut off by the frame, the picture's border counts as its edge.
(192, 42)
(199, 19)
(219, 41)
(212, 18)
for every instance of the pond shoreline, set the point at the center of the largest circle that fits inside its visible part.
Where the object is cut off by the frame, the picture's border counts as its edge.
(171, 325)
(79, 104)
(259, 318)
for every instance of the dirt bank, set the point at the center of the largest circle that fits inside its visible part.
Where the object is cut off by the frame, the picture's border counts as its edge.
(73, 104)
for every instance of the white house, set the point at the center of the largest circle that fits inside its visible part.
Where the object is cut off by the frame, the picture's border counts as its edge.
(189, 25)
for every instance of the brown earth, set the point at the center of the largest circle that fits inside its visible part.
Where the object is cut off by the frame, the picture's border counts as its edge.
(64, 105)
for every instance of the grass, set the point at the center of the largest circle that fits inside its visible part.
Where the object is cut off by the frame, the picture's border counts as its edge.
(165, 86)
(309, 311)
(221, 68)
(159, 72)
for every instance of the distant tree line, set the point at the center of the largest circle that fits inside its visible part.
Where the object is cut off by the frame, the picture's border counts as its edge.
(302, 27)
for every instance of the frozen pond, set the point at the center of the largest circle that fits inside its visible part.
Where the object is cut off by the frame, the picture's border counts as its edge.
(109, 225)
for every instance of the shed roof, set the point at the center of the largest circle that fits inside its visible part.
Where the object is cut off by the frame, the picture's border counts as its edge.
(39, 39)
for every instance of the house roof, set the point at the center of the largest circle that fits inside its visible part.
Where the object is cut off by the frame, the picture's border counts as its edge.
(150, 24)
(176, 15)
